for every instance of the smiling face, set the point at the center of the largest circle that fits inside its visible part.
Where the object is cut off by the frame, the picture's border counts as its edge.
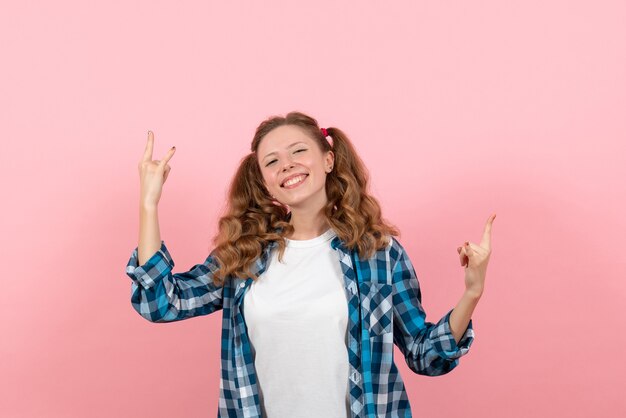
(293, 166)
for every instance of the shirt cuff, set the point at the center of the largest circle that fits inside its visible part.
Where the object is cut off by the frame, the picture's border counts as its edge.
(153, 270)
(444, 342)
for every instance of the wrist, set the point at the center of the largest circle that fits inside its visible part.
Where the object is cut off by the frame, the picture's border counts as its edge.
(473, 294)
(148, 207)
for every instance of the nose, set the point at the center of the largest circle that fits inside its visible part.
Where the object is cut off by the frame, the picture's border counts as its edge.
(287, 165)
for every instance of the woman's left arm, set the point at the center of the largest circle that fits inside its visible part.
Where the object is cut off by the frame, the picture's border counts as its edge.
(475, 258)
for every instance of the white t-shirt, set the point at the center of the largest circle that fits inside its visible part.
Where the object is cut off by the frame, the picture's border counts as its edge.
(297, 319)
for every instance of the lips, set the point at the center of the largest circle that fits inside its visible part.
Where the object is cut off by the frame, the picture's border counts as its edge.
(282, 184)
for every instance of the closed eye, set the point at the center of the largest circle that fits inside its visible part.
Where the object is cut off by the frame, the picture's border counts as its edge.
(273, 161)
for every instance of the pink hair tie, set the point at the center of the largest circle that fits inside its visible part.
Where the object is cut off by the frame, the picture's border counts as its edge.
(328, 138)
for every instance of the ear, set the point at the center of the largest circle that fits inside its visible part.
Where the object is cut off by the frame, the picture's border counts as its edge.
(330, 159)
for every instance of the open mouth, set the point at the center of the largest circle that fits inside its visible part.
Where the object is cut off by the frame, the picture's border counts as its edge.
(294, 182)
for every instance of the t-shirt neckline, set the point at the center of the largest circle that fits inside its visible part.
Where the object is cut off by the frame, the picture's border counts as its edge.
(305, 243)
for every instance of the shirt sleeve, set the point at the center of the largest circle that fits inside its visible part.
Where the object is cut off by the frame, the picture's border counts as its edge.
(159, 295)
(429, 348)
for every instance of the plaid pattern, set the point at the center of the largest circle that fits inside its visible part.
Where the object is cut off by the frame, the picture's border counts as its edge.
(384, 309)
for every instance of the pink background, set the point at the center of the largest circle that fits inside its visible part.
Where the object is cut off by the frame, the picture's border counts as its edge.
(459, 109)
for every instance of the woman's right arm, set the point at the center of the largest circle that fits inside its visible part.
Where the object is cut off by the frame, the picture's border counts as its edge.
(157, 294)
(152, 177)
(149, 232)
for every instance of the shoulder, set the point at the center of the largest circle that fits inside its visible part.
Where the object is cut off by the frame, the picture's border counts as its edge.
(394, 249)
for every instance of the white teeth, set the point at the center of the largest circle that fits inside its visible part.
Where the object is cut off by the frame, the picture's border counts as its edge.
(294, 180)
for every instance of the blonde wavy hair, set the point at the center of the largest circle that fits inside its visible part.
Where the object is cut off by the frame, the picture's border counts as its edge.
(253, 219)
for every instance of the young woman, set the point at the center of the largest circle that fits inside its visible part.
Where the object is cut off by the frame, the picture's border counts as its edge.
(313, 286)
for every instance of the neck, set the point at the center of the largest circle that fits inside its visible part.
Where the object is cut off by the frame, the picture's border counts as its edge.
(307, 223)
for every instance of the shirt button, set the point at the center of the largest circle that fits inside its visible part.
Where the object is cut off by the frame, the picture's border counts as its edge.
(242, 285)
(352, 288)
(354, 377)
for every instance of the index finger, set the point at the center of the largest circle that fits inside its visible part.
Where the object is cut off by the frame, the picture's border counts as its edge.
(486, 240)
(147, 154)
(168, 156)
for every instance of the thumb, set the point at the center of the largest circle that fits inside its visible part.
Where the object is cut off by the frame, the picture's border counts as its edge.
(463, 258)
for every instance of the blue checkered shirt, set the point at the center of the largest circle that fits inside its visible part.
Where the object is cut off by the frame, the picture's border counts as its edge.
(384, 308)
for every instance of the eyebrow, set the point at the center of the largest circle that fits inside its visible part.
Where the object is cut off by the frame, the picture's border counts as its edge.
(295, 143)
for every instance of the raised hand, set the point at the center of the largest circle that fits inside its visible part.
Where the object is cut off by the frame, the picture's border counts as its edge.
(153, 173)
(475, 258)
